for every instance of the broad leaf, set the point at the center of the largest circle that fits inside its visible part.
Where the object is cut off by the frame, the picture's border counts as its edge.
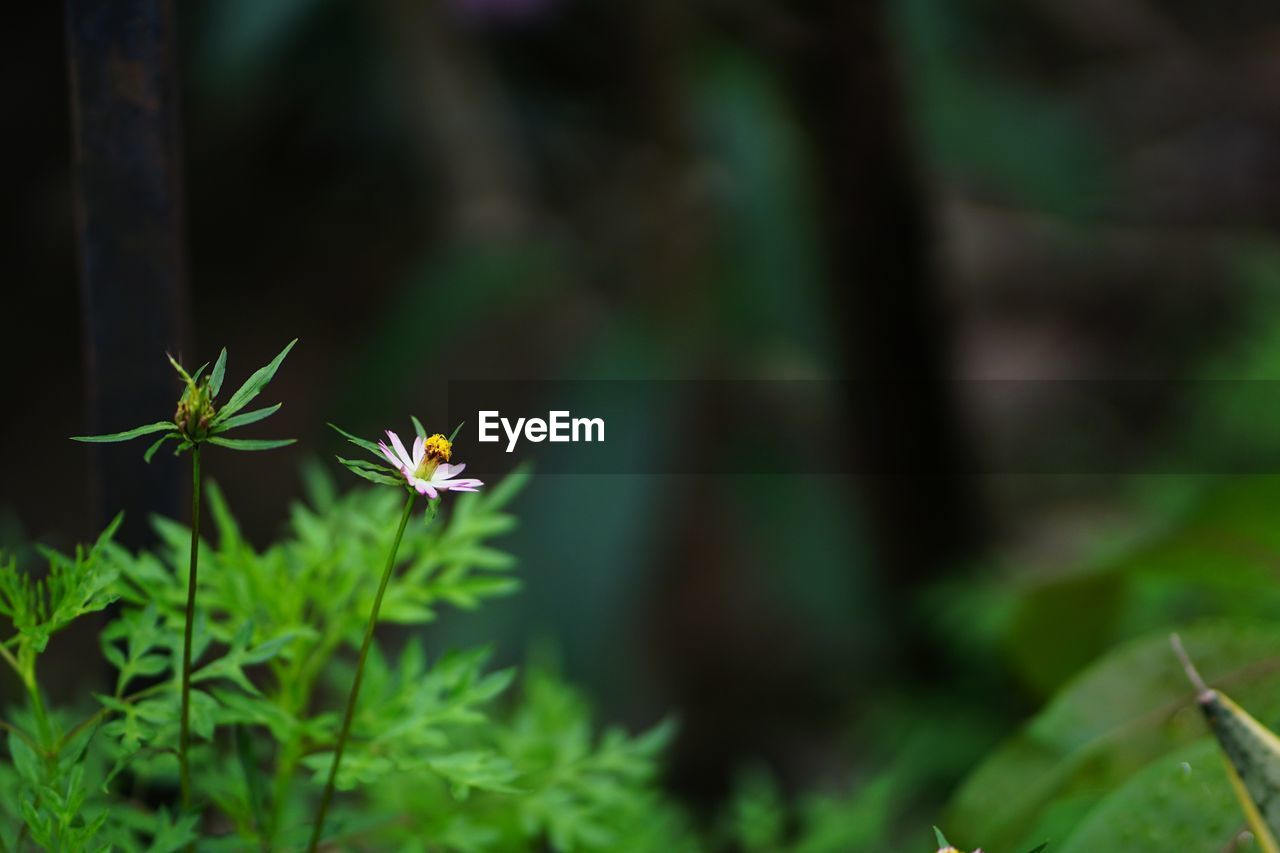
(1130, 708)
(1182, 801)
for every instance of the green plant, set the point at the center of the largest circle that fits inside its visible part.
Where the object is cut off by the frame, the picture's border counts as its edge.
(197, 421)
(1119, 758)
(440, 750)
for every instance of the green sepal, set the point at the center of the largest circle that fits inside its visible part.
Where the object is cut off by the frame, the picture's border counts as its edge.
(418, 427)
(250, 443)
(127, 435)
(456, 430)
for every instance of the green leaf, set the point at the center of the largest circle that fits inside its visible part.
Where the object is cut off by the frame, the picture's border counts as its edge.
(174, 834)
(1098, 732)
(1252, 750)
(182, 371)
(229, 537)
(359, 442)
(143, 648)
(24, 759)
(219, 371)
(418, 427)
(268, 649)
(231, 665)
(253, 385)
(72, 752)
(250, 443)
(203, 715)
(479, 769)
(942, 839)
(371, 472)
(1182, 801)
(151, 451)
(127, 435)
(247, 418)
(455, 432)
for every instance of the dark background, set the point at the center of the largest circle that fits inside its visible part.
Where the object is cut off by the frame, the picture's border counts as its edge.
(577, 189)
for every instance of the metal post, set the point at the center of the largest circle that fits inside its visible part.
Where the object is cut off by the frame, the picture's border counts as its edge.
(128, 208)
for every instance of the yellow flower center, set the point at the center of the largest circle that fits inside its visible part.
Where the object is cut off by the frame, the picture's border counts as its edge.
(438, 449)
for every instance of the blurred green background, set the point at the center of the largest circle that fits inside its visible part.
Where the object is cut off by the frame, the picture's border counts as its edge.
(918, 191)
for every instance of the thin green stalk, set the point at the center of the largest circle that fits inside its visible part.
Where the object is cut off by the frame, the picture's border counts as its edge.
(184, 736)
(355, 686)
(11, 660)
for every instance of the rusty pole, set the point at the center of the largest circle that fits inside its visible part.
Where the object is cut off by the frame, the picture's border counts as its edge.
(128, 209)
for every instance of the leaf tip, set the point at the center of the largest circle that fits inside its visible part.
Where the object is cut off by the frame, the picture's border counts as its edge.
(1193, 675)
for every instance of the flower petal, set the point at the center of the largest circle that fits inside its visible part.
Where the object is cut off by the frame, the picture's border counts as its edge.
(419, 451)
(405, 459)
(391, 457)
(465, 485)
(444, 471)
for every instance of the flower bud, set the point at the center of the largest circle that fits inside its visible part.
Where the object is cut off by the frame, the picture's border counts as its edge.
(195, 413)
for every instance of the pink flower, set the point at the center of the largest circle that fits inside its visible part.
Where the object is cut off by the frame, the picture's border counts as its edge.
(427, 469)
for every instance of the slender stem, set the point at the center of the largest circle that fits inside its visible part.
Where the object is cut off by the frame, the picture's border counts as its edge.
(184, 736)
(10, 659)
(355, 686)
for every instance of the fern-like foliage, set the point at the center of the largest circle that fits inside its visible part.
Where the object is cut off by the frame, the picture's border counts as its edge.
(444, 753)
